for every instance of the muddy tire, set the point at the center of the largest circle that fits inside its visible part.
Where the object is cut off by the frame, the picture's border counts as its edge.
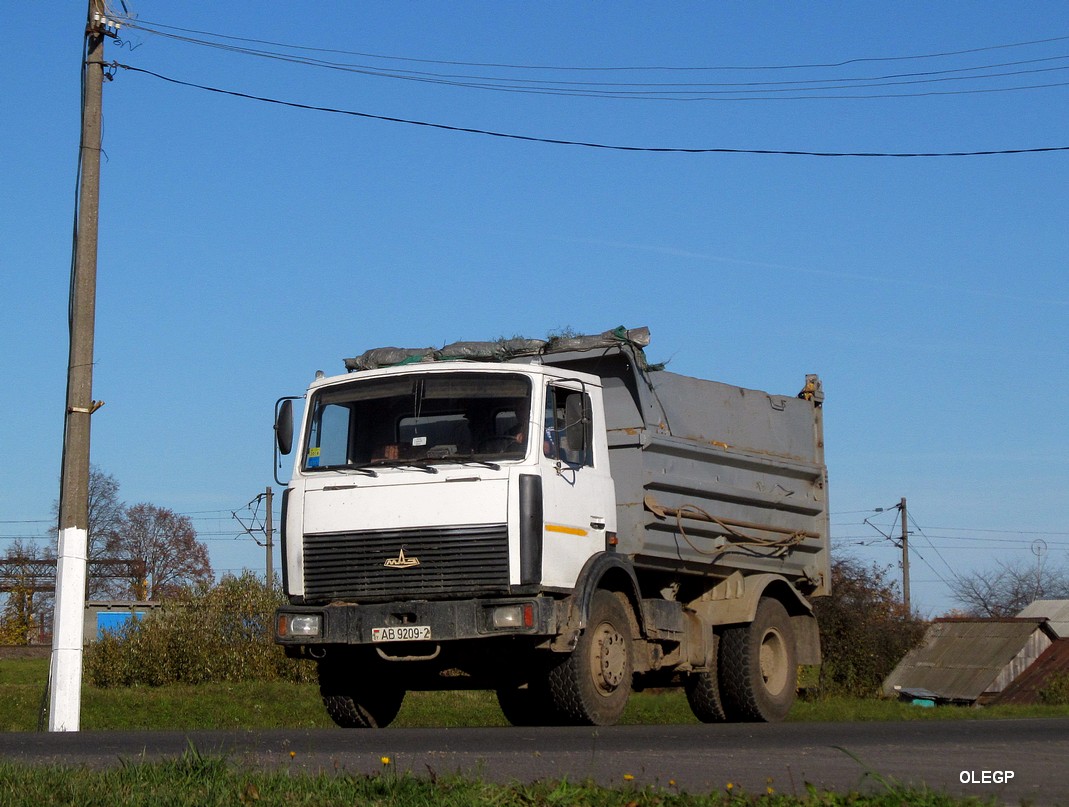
(703, 693)
(357, 701)
(758, 666)
(528, 705)
(591, 685)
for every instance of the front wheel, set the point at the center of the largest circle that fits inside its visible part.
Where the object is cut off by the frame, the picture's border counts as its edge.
(758, 666)
(592, 684)
(528, 705)
(356, 700)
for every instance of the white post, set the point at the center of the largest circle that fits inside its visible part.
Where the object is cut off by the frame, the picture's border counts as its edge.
(68, 632)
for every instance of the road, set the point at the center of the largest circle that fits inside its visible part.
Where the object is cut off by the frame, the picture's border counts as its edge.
(839, 756)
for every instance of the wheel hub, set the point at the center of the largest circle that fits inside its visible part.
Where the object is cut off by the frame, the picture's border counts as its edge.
(609, 660)
(773, 662)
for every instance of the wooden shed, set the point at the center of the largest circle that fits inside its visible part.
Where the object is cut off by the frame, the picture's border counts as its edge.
(970, 660)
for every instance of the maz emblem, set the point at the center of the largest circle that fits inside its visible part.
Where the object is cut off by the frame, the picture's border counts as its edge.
(401, 562)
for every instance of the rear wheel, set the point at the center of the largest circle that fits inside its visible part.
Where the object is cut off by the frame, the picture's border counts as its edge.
(758, 667)
(592, 684)
(356, 700)
(703, 692)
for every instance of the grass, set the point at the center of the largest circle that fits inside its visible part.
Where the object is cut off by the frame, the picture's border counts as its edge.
(195, 779)
(283, 705)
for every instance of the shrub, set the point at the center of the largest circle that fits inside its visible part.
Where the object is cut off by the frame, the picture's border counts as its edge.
(1056, 690)
(865, 630)
(216, 633)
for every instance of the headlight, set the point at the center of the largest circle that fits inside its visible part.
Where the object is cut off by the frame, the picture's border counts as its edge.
(299, 624)
(514, 616)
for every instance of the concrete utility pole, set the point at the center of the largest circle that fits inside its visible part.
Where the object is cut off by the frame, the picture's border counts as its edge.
(66, 667)
(268, 531)
(905, 556)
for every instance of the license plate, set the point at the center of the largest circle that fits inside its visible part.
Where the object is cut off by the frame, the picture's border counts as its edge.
(401, 633)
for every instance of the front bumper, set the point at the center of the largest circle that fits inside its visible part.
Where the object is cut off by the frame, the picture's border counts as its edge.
(451, 620)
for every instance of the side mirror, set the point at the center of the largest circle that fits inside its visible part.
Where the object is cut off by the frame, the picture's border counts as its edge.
(284, 426)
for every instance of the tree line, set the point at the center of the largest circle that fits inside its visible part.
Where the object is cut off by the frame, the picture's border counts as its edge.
(138, 552)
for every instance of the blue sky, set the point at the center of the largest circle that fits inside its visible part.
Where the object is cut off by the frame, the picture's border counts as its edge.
(243, 245)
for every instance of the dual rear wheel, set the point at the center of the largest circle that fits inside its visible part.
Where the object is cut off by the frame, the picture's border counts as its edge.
(757, 666)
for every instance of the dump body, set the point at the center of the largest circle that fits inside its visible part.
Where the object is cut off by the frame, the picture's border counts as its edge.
(712, 478)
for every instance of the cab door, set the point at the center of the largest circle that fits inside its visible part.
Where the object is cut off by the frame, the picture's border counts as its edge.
(579, 503)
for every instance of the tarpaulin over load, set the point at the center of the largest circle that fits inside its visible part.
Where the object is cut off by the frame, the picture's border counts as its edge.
(389, 357)
(499, 350)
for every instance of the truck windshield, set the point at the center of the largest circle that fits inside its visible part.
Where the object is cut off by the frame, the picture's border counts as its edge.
(423, 419)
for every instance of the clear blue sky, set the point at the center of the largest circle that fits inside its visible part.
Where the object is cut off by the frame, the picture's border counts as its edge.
(244, 245)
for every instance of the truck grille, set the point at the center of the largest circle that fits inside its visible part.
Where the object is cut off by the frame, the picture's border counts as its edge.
(369, 565)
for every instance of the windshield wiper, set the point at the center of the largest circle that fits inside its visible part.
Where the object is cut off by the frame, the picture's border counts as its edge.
(470, 461)
(343, 468)
(461, 460)
(419, 465)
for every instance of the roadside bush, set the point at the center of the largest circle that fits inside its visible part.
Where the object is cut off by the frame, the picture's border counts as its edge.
(211, 633)
(1056, 690)
(865, 630)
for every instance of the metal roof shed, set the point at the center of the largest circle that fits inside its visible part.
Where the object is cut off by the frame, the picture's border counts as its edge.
(1028, 687)
(1055, 611)
(970, 660)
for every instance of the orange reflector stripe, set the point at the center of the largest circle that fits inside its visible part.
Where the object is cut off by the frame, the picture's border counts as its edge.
(565, 530)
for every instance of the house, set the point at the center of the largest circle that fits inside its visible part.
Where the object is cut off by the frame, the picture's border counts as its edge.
(1028, 687)
(1056, 612)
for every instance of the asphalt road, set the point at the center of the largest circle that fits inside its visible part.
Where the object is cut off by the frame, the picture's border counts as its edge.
(787, 757)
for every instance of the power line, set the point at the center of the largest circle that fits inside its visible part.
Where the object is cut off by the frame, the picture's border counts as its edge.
(579, 143)
(149, 27)
(1006, 532)
(648, 91)
(921, 532)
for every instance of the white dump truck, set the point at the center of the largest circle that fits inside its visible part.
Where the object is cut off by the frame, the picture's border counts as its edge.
(558, 521)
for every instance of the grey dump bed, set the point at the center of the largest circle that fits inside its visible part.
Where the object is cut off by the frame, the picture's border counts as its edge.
(711, 477)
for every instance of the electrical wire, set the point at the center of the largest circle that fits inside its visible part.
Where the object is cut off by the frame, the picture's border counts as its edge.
(579, 143)
(151, 27)
(654, 91)
(921, 532)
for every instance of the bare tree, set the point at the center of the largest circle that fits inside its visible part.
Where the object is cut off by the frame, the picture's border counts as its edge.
(167, 545)
(105, 516)
(1009, 587)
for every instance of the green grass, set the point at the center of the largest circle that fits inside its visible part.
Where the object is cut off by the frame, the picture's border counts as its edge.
(18, 672)
(199, 780)
(284, 705)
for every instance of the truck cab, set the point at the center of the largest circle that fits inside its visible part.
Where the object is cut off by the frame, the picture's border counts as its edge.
(426, 481)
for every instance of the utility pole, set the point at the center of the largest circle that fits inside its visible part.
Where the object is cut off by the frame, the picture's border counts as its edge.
(268, 531)
(65, 673)
(905, 556)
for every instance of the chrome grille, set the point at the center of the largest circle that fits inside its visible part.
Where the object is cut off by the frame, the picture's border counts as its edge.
(452, 560)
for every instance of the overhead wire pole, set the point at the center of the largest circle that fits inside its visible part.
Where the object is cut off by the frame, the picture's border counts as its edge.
(65, 672)
(901, 507)
(905, 557)
(268, 530)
